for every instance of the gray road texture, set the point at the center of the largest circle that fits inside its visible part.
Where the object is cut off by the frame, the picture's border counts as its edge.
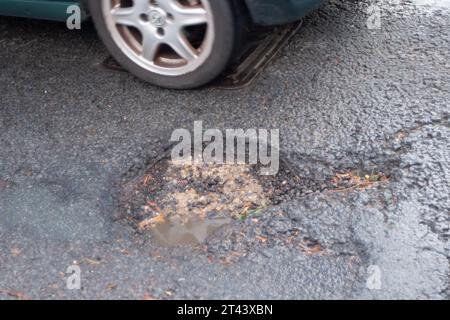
(344, 98)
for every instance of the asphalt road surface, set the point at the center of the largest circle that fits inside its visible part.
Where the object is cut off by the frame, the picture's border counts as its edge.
(345, 98)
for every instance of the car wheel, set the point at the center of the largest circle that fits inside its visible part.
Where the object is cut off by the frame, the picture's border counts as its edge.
(176, 44)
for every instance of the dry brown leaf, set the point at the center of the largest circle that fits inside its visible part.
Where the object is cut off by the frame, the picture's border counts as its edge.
(111, 286)
(147, 180)
(311, 250)
(149, 297)
(262, 239)
(92, 262)
(15, 294)
(144, 224)
(15, 252)
(348, 181)
(125, 252)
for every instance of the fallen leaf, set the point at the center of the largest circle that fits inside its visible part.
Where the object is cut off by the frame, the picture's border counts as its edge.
(349, 181)
(149, 297)
(125, 252)
(262, 239)
(54, 286)
(92, 262)
(111, 286)
(144, 224)
(147, 179)
(15, 294)
(310, 250)
(15, 252)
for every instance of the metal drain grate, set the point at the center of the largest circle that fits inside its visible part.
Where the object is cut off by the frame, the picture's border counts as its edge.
(256, 55)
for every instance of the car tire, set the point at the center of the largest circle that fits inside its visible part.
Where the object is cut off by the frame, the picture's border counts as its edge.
(187, 54)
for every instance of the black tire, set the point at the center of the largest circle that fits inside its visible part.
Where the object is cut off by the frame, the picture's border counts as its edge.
(226, 33)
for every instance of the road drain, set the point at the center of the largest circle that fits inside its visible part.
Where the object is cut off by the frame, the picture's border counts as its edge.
(259, 50)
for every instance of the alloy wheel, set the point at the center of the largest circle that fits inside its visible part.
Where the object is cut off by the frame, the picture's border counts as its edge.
(167, 37)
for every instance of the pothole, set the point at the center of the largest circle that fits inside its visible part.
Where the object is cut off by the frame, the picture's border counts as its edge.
(183, 204)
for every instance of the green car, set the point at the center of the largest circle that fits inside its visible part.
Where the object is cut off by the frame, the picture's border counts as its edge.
(170, 43)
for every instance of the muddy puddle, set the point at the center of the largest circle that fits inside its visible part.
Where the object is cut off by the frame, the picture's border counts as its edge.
(193, 231)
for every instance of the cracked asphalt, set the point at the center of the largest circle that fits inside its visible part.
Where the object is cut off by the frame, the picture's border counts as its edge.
(344, 98)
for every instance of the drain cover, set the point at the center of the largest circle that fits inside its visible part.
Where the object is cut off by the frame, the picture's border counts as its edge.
(259, 51)
(257, 55)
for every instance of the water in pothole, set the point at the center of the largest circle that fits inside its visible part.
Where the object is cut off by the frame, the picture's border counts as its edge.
(193, 231)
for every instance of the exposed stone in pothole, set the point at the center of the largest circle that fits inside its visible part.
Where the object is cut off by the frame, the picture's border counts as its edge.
(182, 204)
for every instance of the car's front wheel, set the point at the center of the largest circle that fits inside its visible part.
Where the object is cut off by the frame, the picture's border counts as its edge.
(170, 43)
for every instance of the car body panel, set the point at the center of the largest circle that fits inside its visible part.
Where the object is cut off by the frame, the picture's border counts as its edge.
(274, 12)
(38, 9)
(264, 12)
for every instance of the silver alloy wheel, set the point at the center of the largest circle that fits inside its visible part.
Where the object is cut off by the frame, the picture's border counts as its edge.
(167, 37)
